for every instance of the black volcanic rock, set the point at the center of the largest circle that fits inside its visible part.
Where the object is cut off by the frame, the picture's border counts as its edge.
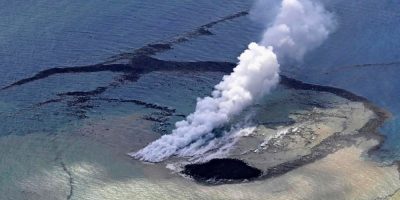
(222, 171)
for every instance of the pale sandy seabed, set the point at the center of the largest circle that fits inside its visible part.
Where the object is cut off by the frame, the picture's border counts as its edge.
(91, 163)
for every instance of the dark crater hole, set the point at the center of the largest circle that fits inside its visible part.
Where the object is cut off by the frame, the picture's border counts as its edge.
(218, 171)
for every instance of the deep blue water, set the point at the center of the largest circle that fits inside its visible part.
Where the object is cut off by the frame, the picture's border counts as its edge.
(41, 34)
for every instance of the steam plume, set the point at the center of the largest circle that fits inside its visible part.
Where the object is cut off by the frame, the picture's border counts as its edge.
(299, 26)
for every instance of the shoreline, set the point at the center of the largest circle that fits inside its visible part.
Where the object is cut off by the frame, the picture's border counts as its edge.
(371, 128)
(141, 65)
(275, 180)
(328, 146)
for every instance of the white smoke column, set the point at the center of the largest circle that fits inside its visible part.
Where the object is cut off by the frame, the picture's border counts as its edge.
(255, 75)
(300, 26)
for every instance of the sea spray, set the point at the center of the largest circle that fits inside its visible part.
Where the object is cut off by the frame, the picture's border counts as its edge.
(299, 26)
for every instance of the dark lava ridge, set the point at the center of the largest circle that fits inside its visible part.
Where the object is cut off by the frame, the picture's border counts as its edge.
(222, 171)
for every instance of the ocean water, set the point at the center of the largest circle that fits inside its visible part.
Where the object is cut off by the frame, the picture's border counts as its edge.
(42, 34)
(362, 56)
